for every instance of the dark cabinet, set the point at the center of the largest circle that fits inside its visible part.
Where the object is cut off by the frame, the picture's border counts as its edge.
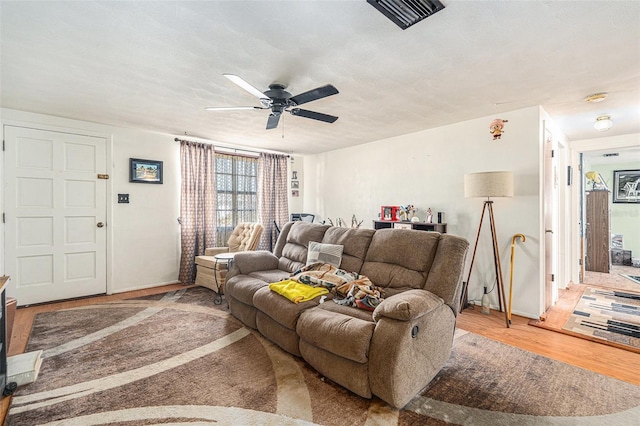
(597, 232)
(420, 226)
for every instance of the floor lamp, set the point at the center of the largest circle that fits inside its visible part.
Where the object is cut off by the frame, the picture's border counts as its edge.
(489, 184)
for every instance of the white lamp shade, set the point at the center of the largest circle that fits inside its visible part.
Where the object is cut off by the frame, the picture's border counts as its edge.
(488, 184)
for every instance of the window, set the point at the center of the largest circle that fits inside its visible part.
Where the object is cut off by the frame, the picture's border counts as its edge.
(236, 193)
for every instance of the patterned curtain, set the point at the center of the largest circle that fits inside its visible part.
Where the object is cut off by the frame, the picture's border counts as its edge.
(197, 205)
(272, 197)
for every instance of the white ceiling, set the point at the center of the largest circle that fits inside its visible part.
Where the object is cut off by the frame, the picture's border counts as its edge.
(156, 65)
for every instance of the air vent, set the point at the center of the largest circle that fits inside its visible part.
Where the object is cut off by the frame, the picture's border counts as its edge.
(405, 13)
(611, 154)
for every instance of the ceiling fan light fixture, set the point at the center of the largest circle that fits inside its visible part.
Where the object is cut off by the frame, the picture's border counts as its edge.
(603, 123)
(405, 13)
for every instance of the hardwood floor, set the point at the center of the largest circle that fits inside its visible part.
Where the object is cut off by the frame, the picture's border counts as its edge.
(607, 360)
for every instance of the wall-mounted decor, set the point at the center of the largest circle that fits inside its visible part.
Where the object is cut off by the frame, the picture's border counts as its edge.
(626, 186)
(295, 184)
(496, 128)
(295, 193)
(145, 171)
(294, 175)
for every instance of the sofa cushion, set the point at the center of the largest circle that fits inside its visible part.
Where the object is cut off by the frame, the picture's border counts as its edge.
(393, 260)
(355, 243)
(325, 253)
(279, 308)
(338, 334)
(243, 287)
(331, 306)
(271, 275)
(294, 252)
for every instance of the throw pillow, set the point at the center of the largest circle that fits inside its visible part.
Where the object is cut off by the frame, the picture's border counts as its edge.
(325, 253)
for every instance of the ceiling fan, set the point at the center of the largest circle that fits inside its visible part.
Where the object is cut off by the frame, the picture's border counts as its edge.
(278, 100)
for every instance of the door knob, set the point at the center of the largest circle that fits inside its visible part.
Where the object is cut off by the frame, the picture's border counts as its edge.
(100, 224)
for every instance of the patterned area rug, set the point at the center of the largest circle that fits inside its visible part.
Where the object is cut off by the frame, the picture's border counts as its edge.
(609, 315)
(634, 278)
(178, 359)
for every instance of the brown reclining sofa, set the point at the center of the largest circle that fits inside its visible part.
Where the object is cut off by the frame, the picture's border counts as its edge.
(392, 352)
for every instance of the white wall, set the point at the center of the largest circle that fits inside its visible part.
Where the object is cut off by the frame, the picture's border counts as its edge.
(143, 236)
(427, 169)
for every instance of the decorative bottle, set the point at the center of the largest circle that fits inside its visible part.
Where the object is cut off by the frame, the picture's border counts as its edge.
(485, 309)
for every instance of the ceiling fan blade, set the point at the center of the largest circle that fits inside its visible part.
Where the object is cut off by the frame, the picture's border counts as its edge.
(314, 115)
(272, 121)
(232, 108)
(312, 95)
(246, 86)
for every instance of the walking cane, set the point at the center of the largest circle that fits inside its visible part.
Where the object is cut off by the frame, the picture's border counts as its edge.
(513, 245)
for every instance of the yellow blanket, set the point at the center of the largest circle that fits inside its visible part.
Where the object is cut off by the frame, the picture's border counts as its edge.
(297, 292)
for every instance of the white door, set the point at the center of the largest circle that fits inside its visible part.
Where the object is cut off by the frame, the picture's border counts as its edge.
(55, 211)
(550, 193)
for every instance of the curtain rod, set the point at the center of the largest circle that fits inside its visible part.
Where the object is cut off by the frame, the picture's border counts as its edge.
(235, 149)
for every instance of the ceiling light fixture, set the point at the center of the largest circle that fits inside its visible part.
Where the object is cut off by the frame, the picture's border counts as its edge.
(596, 97)
(603, 123)
(405, 13)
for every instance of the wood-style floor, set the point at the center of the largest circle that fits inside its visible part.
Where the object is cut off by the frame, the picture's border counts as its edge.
(607, 360)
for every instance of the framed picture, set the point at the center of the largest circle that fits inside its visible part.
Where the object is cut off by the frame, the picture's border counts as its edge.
(295, 184)
(626, 186)
(294, 175)
(389, 213)
(145, 171)
(295, 193)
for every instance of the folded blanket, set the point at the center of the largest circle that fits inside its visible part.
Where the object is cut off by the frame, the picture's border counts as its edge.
(297, 292)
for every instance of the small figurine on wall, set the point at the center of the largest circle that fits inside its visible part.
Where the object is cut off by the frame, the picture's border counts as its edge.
(496, 126)
(429, 216)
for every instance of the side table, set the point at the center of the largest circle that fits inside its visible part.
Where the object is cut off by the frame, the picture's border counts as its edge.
(222, 263)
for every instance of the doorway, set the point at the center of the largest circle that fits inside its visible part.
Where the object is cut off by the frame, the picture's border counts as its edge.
(623, 229)
(55, 214)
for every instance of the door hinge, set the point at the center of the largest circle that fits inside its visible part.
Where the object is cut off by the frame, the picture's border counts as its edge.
(553, 277)
(103, 176)
(553, 153)
(3, 144)
(580, 262)
(3, 218)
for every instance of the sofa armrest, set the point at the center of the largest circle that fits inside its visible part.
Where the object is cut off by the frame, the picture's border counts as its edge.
(407, 306)
(212, 251)
(251, 261)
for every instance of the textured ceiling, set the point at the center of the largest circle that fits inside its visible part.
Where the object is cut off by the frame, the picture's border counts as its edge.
(156, 65)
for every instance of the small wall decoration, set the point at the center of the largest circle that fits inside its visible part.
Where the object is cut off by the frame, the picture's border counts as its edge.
(145, 171)
(496, 128)
(295, 184)
(626, 186)
(295, 193)
(294, 175)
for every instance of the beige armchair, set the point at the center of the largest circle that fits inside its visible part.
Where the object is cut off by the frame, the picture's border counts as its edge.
(211, 272)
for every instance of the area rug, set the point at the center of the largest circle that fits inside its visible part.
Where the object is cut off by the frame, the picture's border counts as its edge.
(608, 315)
(177, 358)
(634, 278)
